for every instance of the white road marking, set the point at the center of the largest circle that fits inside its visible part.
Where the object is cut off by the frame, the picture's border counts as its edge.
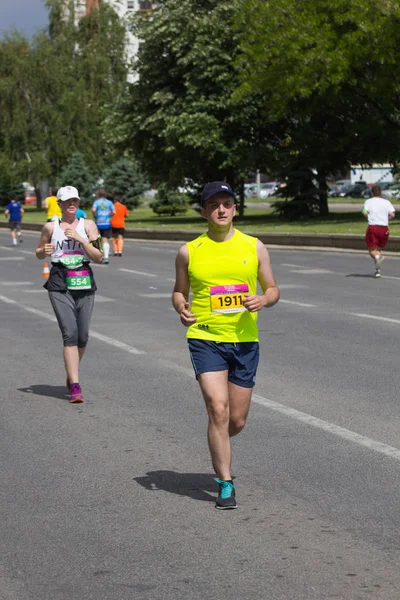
(163, 250)
(39, 291)
(12, 283)
(7, 248)
(298, 303)
(116, 343)
(291, 265)
(138, 272)
(390, 277)
(93, 334)
(307, 271)
(40, 313)
(12, 258)
(31, 253)
(292, 286)
(156, 296)
(7, 300)
(100, 298)
(346, 434)
(365, 316)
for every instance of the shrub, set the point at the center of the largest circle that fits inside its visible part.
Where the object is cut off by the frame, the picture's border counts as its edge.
(169, 202)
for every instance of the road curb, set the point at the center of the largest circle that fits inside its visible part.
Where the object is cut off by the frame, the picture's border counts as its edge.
(303, 240)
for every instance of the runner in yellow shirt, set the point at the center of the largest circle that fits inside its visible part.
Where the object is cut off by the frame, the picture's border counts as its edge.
(52, 206)
(222, 267)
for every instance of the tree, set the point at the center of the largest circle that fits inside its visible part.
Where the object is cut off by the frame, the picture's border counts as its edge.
(10, 184)
(325, 71)
(126, 179)
(182, 121)
(77, 173)
(56, 90)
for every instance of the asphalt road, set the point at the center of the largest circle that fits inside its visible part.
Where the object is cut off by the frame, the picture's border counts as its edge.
(114, 499)
(342, 207)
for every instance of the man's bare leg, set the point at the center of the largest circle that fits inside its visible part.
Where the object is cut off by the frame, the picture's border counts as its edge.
(374, 253)
(214, 387)
(239, 405)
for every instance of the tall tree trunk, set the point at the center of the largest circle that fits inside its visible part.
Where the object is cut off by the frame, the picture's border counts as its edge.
(323, 194)
(38, 196)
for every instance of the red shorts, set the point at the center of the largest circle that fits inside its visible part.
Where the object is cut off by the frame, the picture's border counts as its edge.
(377, 236)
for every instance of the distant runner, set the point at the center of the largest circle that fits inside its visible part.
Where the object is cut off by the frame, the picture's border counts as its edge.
(378, 211)
(118, 225)
(103, 210)
(222, 267)
(51, 204)
(71, 244)
(15, 211)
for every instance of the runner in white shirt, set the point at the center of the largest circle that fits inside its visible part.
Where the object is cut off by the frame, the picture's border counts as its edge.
(71, 244)
(378, 211)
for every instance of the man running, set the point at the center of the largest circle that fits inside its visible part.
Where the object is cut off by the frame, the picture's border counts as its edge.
(71, 244)
(103, 210)
(222, 267)
(118, 225)
(378, 211)
(14, 211)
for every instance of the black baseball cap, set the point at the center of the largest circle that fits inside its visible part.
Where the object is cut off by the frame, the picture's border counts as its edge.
(213, 188)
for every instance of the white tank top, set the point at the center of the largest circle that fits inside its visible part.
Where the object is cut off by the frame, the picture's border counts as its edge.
(65, 249)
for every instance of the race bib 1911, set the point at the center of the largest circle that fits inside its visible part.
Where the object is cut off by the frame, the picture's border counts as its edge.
(228, 298)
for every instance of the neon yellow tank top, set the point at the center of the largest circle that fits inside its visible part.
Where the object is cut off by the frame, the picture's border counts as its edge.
(219, 273)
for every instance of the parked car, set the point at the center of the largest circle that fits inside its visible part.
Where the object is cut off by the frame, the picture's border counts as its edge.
(353, 190)
(266, 189)
(30, 198)
(269, 189)
(390, 189)
(250, 190)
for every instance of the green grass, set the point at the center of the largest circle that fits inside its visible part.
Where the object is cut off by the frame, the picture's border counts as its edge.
(254, 220)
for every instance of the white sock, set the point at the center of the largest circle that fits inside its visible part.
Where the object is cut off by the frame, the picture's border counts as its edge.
(377, 257)
(106, 248)
(14, 241)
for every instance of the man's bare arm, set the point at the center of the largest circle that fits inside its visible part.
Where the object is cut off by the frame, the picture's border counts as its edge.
(271, 294)
(180, 294)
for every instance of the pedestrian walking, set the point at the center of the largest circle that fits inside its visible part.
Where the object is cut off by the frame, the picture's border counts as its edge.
(378, 211)
(222, 267)
(71, 244)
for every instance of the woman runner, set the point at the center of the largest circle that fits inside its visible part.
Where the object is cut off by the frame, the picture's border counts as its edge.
(71, 244)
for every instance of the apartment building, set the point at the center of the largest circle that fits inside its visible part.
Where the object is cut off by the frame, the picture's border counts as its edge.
(77, 9)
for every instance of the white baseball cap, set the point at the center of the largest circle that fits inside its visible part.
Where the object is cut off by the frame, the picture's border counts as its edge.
(67, 192)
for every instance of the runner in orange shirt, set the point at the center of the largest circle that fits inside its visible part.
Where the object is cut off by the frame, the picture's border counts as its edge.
(118, 225)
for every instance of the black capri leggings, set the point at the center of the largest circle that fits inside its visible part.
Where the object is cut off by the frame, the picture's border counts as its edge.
(73, 311)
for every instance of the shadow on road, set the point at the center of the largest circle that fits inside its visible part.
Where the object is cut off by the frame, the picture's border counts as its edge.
(51, 391)
(199, 486)
(370, 275)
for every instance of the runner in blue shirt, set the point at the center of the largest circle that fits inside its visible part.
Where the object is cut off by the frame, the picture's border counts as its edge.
(15, 211)
(103, 210)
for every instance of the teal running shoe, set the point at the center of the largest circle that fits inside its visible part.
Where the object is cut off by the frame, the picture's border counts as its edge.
(226, 497)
